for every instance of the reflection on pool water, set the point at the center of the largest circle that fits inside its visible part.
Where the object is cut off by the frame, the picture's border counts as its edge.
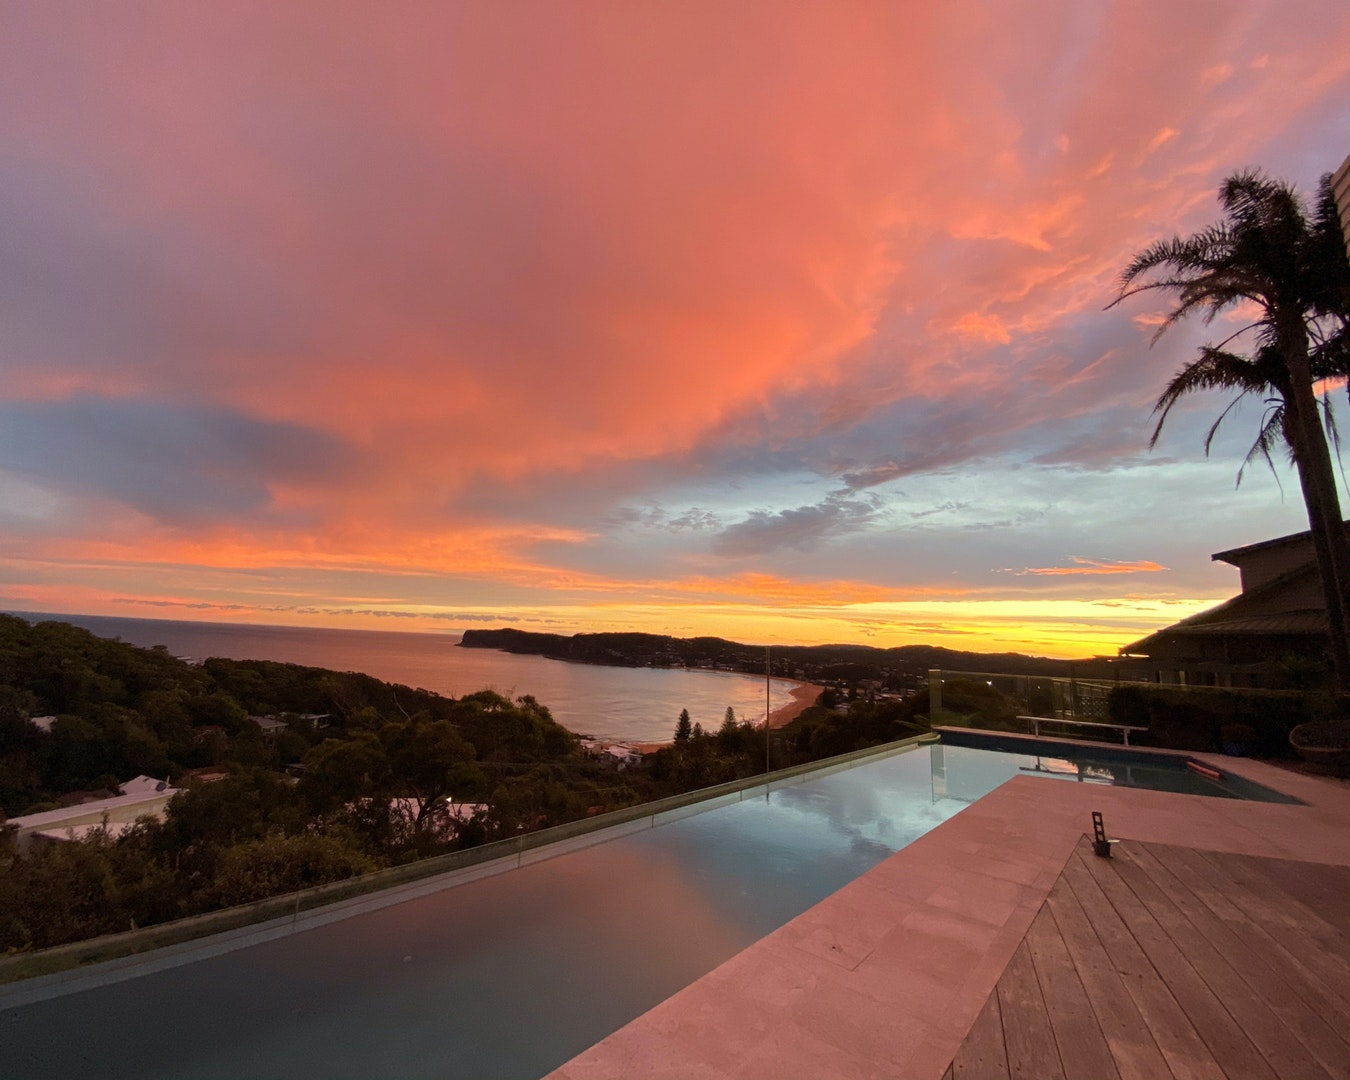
(506, 976)
(968, 772)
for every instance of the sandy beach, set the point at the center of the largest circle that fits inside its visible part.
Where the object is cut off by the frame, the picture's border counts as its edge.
(803, 697)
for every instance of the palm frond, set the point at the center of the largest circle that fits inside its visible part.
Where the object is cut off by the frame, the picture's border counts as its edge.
(1214, 370)
(1271, 435)
(1330, 355)
(1185, 256)
(1214, 427)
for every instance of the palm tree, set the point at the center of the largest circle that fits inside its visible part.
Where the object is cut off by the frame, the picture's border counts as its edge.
(1287, 263)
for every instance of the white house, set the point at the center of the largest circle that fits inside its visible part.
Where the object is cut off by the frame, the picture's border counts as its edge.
(624, 755)
(446, 818)
(142, 797)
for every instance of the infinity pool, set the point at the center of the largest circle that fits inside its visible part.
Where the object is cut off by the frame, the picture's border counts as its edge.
(506, 976)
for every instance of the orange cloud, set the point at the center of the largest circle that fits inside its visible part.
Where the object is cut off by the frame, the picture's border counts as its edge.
(1163, 136)
(1095, 566)
(987, 328)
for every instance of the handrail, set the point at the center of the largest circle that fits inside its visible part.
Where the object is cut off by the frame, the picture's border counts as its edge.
(1124, 729)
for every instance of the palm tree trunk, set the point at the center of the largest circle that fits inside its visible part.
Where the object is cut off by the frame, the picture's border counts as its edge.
(1317, 477)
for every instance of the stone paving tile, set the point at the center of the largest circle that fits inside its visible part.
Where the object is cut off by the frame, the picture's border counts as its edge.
(946, 928)
(925, 987)
(804, 1054)
(993, 860)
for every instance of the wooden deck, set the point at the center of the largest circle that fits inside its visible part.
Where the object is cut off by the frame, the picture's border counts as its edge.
(1170, 962)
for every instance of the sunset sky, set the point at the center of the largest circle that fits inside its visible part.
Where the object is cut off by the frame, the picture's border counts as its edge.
(783, 322)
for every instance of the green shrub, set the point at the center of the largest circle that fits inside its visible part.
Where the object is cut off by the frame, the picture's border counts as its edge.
(1201, 719)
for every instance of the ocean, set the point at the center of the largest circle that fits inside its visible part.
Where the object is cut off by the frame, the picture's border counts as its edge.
(611, 703)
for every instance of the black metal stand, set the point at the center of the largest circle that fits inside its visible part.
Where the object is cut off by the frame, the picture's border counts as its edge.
(1100, 844)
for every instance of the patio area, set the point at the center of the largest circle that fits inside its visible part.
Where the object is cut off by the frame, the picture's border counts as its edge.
(1213, 945)
(1173, 962)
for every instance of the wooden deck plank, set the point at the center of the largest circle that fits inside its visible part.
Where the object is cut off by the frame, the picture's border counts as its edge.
(1309, 947)
(1234, 1052)
(1283, 907)
(1262, 969)
(1132, 1045)
(1284, 1051)
(1318, 887)
(1027, 1035)
(1083, 1050)
(982, 1055)
(1186, 1052)
(1216, 891)
(1328, 886)
(1169, 962)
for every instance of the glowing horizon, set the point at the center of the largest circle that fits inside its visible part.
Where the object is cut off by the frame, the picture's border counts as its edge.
(1066, 629)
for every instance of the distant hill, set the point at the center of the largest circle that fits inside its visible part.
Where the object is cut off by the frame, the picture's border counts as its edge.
(814, 661)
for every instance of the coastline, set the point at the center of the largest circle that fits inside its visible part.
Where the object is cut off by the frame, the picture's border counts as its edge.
(803, 696)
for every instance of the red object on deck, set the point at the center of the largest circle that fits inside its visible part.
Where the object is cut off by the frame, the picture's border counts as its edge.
(1204, 770)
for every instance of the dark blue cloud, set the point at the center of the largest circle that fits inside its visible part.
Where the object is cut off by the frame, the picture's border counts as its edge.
(84, 289)
(175, 463)
(802, 527)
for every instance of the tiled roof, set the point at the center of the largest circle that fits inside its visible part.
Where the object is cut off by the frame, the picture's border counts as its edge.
(1293, 622)
(1234, 617)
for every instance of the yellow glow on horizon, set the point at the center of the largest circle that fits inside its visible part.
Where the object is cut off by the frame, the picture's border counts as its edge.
(1056, 628)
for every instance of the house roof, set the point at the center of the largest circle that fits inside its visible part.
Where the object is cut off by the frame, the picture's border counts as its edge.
(1234, 556)
(1298, 622)
(144, 785)
(457, 811)
(1234, 617)
(150, 800)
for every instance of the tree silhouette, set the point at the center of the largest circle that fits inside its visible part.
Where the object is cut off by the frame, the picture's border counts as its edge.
(1287, 263)
(729, 729)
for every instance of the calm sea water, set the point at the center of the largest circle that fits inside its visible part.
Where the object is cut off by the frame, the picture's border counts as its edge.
(638, 704)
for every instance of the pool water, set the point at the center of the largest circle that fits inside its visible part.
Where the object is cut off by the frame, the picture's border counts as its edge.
(968, 765)
(507, 976)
